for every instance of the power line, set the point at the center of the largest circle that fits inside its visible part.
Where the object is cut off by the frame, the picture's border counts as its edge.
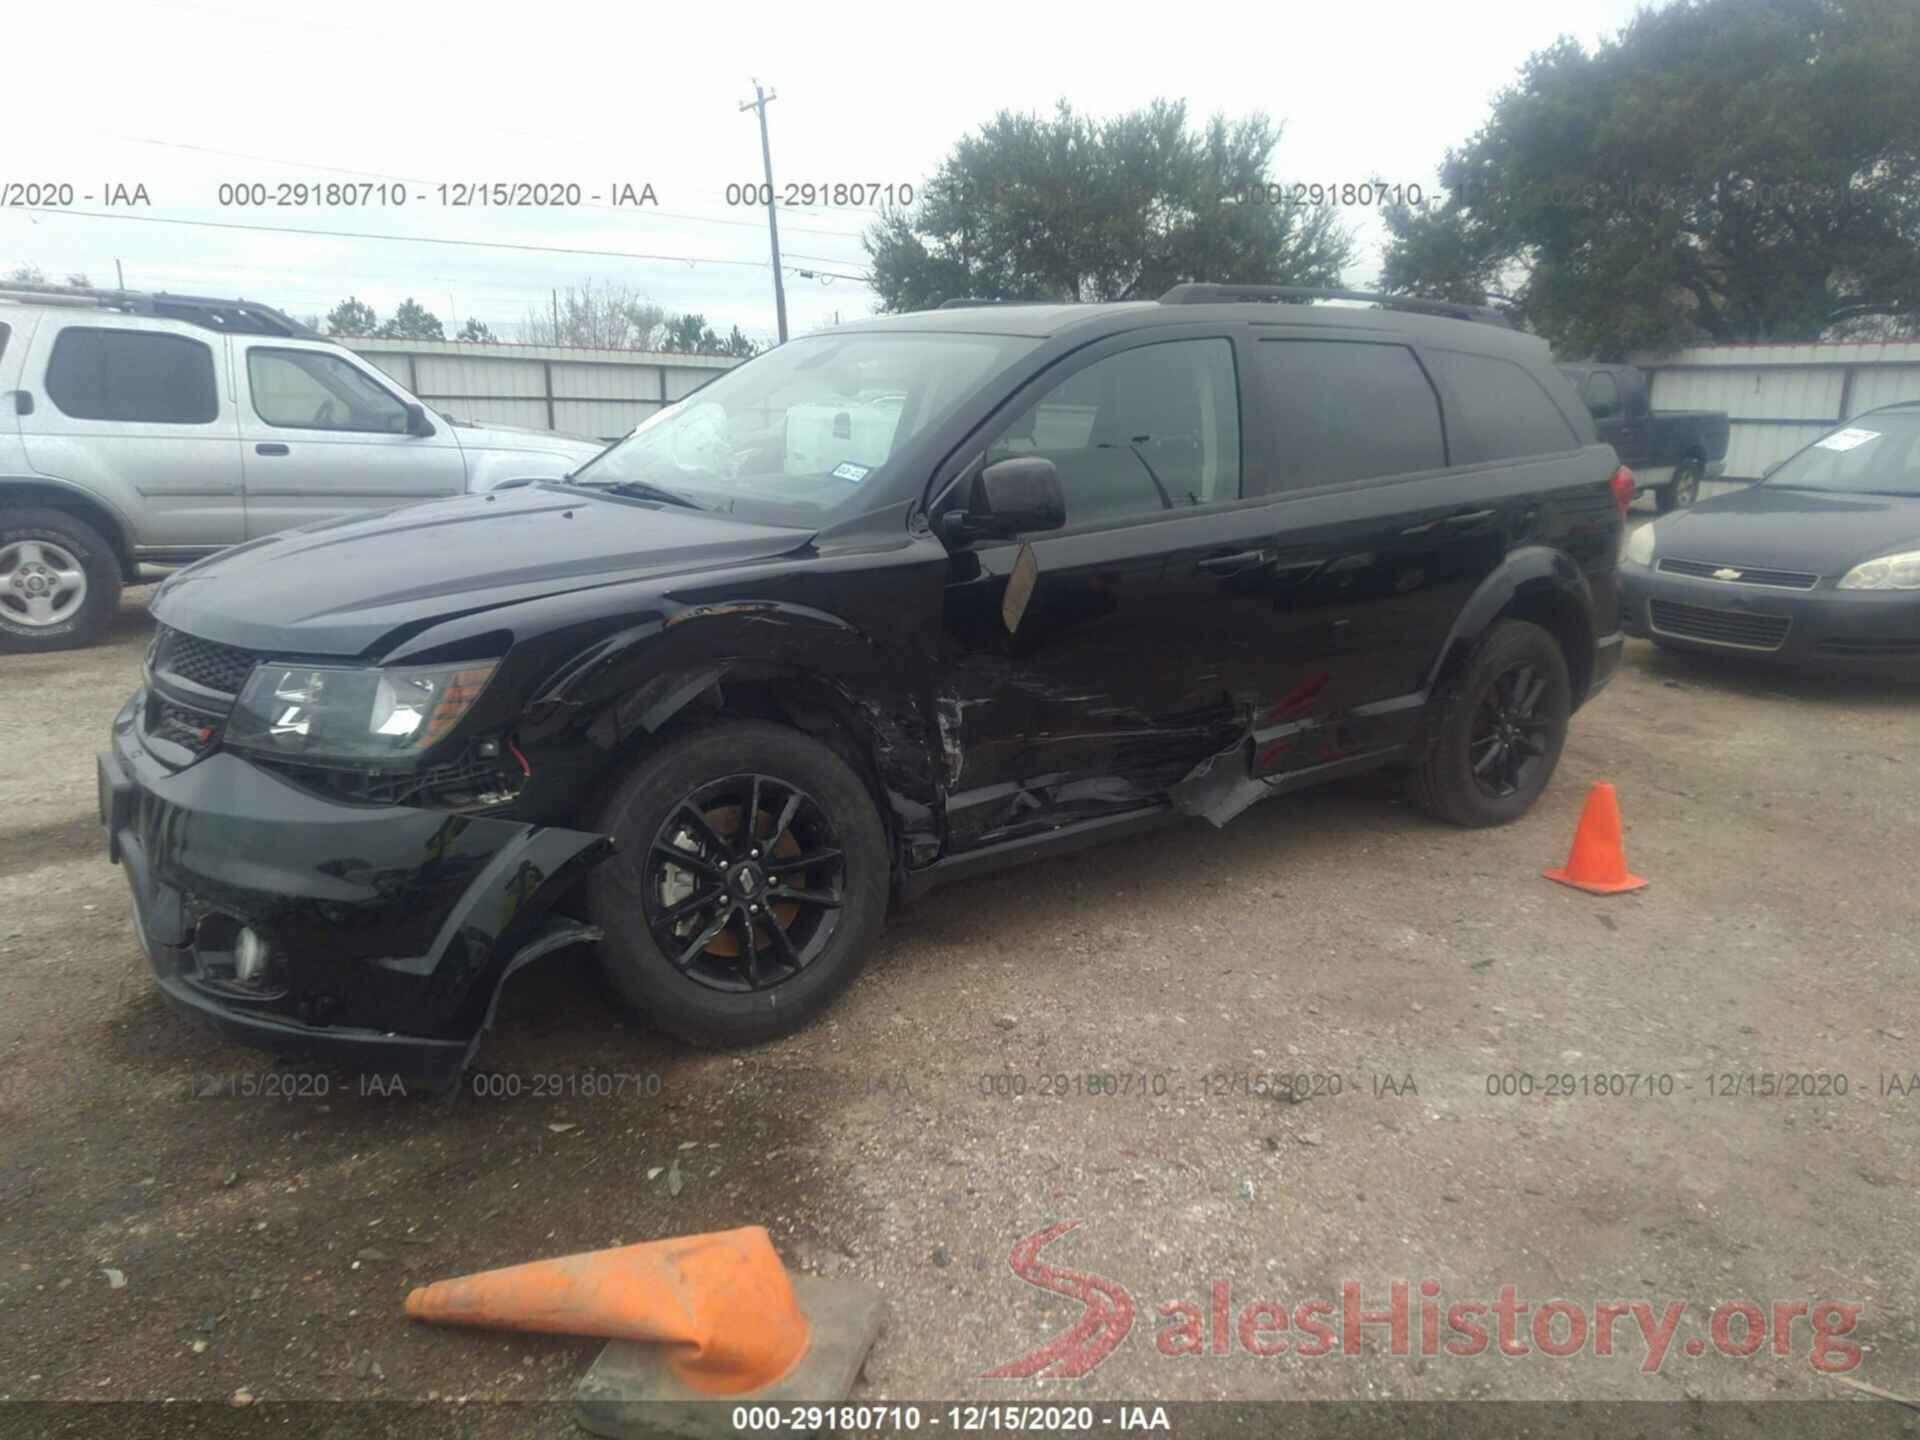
(424, 239)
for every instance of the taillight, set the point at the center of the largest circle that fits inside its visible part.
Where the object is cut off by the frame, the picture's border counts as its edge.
(1622, 484)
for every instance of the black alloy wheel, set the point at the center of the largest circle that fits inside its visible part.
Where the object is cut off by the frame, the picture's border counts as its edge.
(743, 882)
(1510, 735)
(1498, 738)
(749, 880)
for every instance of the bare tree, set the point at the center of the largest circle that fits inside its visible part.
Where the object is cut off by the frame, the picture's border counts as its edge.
(611, 317)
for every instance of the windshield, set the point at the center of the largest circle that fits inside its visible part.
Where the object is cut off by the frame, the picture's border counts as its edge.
(1877, 454)
(804, 426)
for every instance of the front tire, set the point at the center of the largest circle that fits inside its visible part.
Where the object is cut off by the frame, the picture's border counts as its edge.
(749, 883)
(59, 581)
(1502, 732)
(1682, 490)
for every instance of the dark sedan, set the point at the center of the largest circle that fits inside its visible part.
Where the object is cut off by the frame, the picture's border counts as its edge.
(1819, 562)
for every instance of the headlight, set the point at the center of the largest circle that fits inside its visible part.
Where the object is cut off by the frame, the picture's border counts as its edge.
(321, 713)
(1889, 572)
(1640, 545)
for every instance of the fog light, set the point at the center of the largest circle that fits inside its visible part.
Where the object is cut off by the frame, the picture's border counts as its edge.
(250, 956)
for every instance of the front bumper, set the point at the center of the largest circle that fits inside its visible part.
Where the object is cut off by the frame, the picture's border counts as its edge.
(389, 928)
(1870, 631)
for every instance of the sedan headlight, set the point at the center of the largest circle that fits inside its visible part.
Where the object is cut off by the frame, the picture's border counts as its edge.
(1889, 572)
(1639, 549)
(322, 713)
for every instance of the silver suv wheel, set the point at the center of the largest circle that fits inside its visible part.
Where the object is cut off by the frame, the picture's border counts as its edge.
(41, 583)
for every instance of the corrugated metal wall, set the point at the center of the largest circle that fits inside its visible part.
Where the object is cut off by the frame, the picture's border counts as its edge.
(1780, 397)
(598, 394)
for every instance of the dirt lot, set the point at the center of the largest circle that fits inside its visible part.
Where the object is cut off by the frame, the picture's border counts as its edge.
(913, 1138)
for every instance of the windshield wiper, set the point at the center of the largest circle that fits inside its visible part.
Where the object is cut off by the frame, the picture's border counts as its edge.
(640, 490)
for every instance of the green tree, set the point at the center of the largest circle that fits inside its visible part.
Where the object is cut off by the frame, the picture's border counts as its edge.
(737, 343)
(352, 316)
(413, 321)
(1722, 170)
(690, 335)
(476, 331)
(1066, 207)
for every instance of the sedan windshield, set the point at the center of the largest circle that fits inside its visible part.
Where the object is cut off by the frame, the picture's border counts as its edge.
(805, 426)
(1877, 454)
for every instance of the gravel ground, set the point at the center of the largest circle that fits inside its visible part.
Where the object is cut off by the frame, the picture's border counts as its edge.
(160, 1245)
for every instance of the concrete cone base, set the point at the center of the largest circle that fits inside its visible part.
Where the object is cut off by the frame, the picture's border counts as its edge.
(630, 1394)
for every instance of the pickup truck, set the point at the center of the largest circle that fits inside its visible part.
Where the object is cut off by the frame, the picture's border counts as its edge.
(1669, 451)
(157, 429)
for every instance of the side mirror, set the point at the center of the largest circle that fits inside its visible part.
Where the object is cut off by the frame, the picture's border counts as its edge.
(1010, 497)
(417, 421)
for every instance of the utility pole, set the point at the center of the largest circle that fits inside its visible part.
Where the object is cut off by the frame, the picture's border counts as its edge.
(759, 103)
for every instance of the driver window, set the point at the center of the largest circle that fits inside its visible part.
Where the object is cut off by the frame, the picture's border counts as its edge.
(308, 390)
(1151, 429)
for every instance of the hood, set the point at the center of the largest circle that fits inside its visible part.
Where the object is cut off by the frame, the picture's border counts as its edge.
(338, 588)
(519, 438)
(1764, 526)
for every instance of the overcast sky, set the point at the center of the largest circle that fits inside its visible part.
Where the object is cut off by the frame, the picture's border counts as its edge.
(181, 97)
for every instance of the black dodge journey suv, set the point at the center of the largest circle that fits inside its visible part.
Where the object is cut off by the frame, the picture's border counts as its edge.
(897, 602)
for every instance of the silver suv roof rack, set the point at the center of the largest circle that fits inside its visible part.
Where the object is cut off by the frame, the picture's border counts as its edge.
(239, 317)
(1198, 294)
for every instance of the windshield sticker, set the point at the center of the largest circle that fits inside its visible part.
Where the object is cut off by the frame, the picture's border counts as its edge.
(1848, 439)
(847, 470)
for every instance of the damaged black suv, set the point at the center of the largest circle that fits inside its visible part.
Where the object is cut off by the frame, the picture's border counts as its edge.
(897, 602)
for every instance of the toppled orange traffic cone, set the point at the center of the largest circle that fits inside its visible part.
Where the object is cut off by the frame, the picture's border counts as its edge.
(721, 1301)
(1598, 862)
(690, 1320)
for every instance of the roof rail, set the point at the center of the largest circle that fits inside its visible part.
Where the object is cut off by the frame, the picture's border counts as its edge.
(965, 304)
(1197, 294)
(239, 317)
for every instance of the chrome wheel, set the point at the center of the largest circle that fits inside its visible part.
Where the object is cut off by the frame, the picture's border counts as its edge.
(41, 583)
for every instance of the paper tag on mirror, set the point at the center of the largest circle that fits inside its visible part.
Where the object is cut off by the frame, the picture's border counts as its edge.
(1013, 604)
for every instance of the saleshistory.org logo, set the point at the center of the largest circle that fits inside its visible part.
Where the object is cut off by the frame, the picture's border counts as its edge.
(1316, 1327)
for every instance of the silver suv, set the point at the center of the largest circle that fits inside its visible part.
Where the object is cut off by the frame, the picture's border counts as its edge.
(155, 429)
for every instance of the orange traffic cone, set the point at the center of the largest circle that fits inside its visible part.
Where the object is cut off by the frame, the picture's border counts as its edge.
(722, 1302)
(1598, 862)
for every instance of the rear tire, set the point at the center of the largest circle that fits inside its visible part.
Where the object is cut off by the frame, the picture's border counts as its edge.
(795, 901)
(1682, 490)
(1502, 732)
(59, 581)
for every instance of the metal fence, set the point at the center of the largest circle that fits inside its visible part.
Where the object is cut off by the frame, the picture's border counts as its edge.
(598, 394)
(1781, 397)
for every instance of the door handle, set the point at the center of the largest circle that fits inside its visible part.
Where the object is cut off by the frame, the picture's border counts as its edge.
(269, 447)
(1234, 564)
(1471, 517)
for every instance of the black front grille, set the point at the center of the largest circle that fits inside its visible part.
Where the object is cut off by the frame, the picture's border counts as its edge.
(1719, 627)
(221, 668)
(189, 729)
(1707, 570)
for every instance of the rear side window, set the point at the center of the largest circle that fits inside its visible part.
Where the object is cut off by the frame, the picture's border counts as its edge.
(132, 375)
(1348, 410)
(1603, 396)
(1496, 410)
